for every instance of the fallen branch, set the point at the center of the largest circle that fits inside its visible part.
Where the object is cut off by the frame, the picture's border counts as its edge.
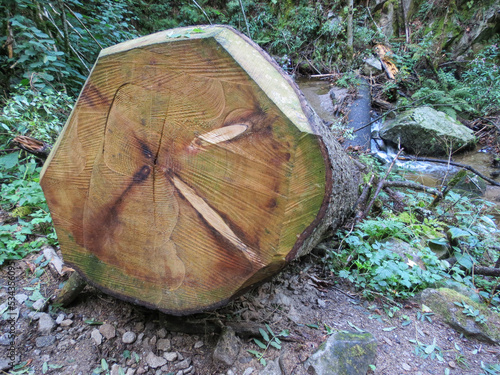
(477, 270)
(413, 186)
(33, 146)
(380, 186)
(465, 166)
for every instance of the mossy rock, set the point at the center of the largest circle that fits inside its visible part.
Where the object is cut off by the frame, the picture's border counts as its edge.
(442, 302)
(344, 353)
(425, 131)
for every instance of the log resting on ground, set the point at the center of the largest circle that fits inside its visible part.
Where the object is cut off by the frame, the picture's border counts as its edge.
(190, 169)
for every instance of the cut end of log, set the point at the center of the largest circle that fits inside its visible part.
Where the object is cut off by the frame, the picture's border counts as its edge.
(189, 170)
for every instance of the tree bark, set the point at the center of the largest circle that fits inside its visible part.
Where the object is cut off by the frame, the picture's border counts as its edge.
(190, 169)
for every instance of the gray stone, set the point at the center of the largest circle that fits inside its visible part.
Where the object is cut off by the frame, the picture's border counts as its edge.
(96, 336)
(66, 323)
(442, 302)
(164, 345)
(272, 368)
(154, 361)
(20, 298)
(130, 371)
(372, 66)
(115, 369)
(170, 356)
(34, 315)
(227, 348)
(162, 333)
(248, 371)
(107, 330)
(60, 318)
(405, 250)
(346, 353)
(198, 344)
(39, 305)
(129, 337)
(45, 324)
(425, 131)
(183, 364)
(5, 364)
(44, 341)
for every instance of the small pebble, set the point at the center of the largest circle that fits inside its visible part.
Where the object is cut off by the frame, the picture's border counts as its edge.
(162, 333)
(39, 305)
(129, 337)
(96, 336)
(154, 361)
(20, 298)
(163, 344)
(198, 344)
(107, 330)
(60, 318)
(66, 323)
(170, 356)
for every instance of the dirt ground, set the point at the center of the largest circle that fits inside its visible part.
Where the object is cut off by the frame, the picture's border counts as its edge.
(304, 299)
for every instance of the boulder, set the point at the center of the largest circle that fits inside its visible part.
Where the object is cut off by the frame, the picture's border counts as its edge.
(443, 302)
(344, 353)
(425, 131)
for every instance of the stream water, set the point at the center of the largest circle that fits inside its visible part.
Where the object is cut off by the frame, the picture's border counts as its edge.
(429, 174)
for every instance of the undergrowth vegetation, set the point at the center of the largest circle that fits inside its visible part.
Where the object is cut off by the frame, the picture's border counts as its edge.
(397, 252)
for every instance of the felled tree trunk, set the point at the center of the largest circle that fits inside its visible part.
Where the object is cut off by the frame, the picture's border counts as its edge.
(190, 169)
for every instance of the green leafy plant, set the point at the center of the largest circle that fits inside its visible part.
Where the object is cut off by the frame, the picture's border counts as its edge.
(472, 312)
(269, 339)
(428, 351)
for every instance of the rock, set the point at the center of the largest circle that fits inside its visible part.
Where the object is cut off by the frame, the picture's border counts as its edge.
(343, 353)
(154, 361)
(460, 288)
(405, 250)
(440, 247)
(183, 364)
(227, 348)
(170, 356)
(164, 345)
(20, 298)
(115, 369)
(5, 364)
(60, 318)
(425, 131)
(272, 368)
(129, 337)
(44, 341)
(107, 330)
(45, 324)
(442, 302)
(66, 323)
(130, 371)
(162, 333)
(372, 66)
(34, 315)
(96, 336)
(248, 371)
(39, 305)
(198, 344)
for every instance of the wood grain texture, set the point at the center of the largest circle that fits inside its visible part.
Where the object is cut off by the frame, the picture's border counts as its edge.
(185, 174)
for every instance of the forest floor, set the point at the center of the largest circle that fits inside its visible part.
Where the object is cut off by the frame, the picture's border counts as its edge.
(305, 299)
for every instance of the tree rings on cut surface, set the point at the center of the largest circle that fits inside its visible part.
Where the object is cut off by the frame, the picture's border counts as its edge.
(188, 170)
